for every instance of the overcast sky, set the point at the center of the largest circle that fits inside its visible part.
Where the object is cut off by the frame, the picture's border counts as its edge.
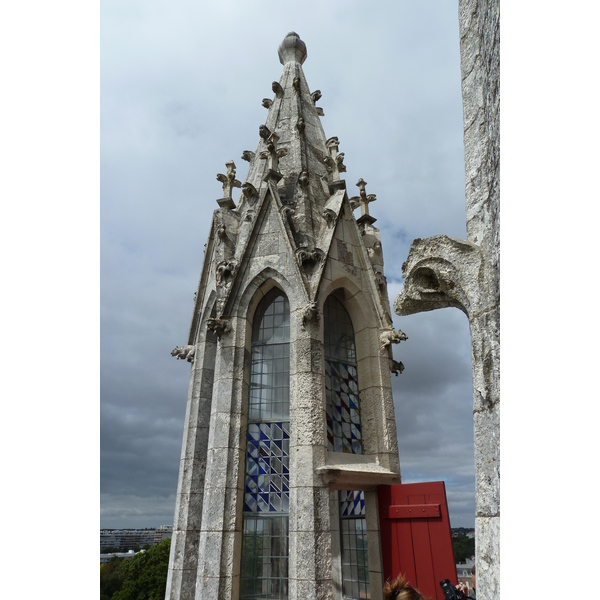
(181, 90)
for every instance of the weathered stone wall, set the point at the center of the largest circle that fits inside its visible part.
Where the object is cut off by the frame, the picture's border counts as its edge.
(441, 271)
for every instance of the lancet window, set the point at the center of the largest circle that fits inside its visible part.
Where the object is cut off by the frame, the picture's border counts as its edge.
(264, 568)
(344, 434)
(342, 402)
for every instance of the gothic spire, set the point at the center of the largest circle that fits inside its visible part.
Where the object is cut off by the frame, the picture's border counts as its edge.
(293, 150)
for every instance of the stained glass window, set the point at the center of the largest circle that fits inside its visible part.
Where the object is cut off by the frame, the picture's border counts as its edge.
(355, 559)
(342, 402)
(344, 434)
(264, 572)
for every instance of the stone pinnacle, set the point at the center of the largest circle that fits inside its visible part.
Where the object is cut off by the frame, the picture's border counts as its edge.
(292, 49)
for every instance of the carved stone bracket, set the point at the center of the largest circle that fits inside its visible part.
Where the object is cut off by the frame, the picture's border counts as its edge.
(277, 89)
(267, 102)
(296, 84)
(316, 96)
(184, 352)
(219, 326)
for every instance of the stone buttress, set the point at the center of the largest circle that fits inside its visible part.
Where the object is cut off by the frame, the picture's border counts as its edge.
(292, 321)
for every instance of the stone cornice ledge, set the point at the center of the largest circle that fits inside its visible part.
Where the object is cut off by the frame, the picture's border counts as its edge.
(356, 472)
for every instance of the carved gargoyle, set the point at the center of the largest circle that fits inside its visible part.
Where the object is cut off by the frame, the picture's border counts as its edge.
(396, 367)
(267, 102)
(316, 96)
(389, 337)
(311, 313)
(247, 155)
(219, 326)
(308, 258)
(225, 271)
(184, 353)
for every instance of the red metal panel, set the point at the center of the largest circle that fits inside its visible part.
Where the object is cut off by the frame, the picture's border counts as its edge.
(420, 547)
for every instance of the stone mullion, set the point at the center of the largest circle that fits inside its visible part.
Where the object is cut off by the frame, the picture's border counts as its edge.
(310, 566)
(181, 580)
(220, 535)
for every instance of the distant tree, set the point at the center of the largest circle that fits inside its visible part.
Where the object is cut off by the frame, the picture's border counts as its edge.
(464, 548)
(145, 575)
(111, 578)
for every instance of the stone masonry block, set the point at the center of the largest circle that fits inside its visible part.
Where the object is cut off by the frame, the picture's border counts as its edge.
(487, 534)
(487, 461)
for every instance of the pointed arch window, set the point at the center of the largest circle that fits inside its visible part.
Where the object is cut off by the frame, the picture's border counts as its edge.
(264, 568)
(344, 434)
(342, 402)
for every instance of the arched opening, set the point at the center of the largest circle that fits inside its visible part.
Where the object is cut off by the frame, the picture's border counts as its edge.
(264, 567)
(344, 434)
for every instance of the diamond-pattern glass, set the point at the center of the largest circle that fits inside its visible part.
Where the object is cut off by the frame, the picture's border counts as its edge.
(264, 568)
(267, 468)
(342, 401)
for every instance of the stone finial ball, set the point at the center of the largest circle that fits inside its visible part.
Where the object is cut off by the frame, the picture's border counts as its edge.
(292, 49)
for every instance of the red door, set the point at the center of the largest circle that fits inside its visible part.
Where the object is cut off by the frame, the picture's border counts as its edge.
(415, 535)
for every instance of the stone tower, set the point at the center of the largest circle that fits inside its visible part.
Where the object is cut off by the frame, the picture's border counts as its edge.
(290, 422)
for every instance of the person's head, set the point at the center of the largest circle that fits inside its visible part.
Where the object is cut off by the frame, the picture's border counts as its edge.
(473, 578)
(400, 589)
